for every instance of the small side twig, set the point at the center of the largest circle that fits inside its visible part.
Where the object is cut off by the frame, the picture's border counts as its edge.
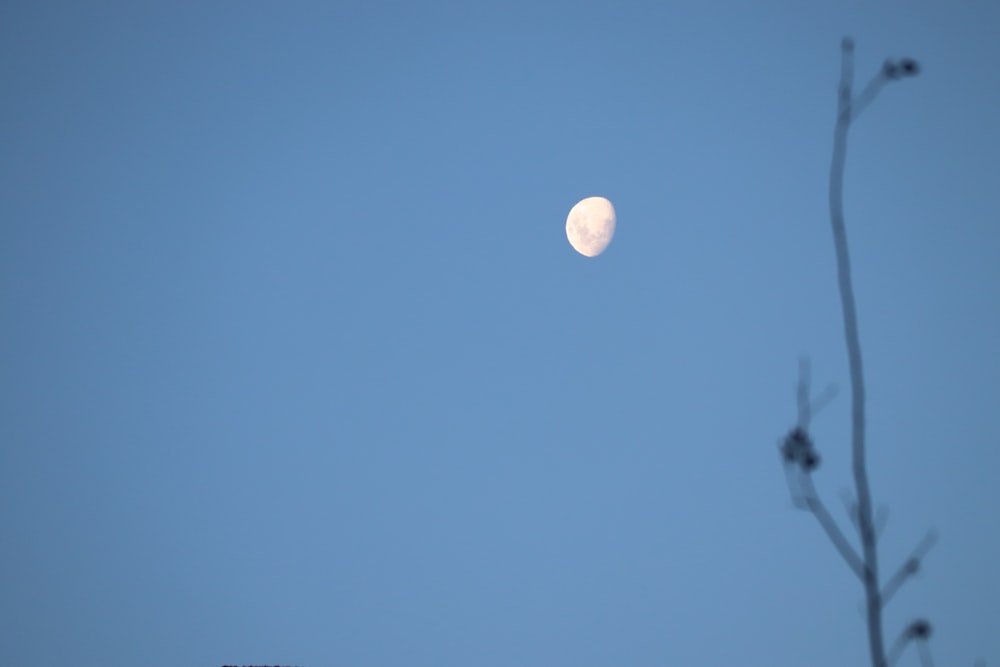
(850, 506)
(816, 506)
(808, 406)
(908, 568)
(801, 458)
(918, 631)
(890, 70)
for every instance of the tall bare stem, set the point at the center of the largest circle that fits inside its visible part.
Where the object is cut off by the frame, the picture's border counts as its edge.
(866, 528)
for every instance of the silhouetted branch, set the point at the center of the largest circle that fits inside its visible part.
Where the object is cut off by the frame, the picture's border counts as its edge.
(897, 649)
(814, 504)
(925, 654)
(866, 96)
(797, 449)
(865, 528)
(801, 459)
(807, 406)
(918, 631)
(850, 506)
(802, 393)
(820, 402)
(909, 568)
(890, 71)
(881, 518)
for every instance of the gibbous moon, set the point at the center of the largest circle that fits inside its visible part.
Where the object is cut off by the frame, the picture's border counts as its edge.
(590, 226)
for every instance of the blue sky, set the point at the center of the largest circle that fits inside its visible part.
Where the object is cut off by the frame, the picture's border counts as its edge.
(298, 366)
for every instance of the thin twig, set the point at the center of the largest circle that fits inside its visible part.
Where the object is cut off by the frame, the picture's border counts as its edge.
(850, 506)
(918, 631)
(897, 648)
(925, 654)
(802, 394)
(881, 518)
(867, 95)
(808, 498)
(909, 568)
(808, 407)
(819, 403)
(865, 527)
(815, 505)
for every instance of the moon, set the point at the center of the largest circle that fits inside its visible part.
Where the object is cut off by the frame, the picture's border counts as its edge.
(590, 226)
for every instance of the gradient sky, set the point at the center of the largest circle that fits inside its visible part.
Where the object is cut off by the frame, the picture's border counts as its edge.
(298, 367)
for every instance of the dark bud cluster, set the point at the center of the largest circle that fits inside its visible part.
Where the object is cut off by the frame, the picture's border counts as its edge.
(899, 69)
(797, 449)
(919, 629)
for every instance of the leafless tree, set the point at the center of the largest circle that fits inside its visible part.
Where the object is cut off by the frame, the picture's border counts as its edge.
(798, 450)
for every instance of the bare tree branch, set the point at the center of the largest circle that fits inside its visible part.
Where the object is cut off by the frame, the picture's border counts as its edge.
(866, 96)
(890, 70)
(917, 631)
(802, 393)
(850, 506)
(852, 337)
(925, 654)
(815, 505)
(897, 649)
(797, 448)
(881, 518)
(820, 402)
(909, 568)
(807, 406)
